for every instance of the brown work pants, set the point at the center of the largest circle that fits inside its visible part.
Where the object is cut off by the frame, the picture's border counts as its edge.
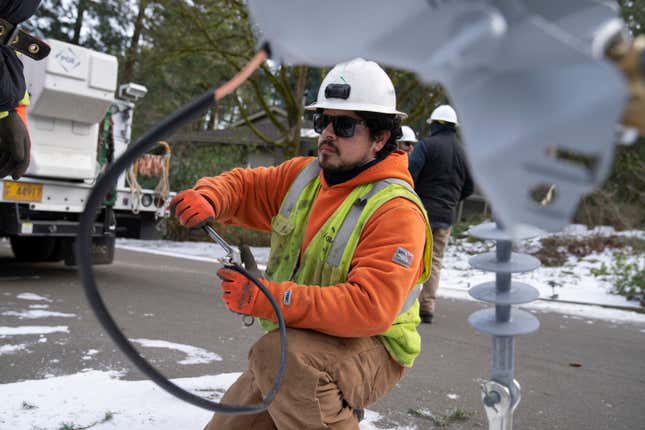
(326, 378)
(428, 296)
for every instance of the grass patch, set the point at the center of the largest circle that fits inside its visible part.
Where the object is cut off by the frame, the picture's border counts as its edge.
(420, 413)
(71, 426)
(439, 420)
(629, 278)
(603, 270)
(555, 249)
(28, 406)
(460, 229)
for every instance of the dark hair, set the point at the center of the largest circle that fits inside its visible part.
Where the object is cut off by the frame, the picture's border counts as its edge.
(379, 122)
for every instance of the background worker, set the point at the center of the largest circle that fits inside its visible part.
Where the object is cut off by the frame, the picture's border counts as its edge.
(339, 267)
(407, 140)
(441, 179)
(15, 144)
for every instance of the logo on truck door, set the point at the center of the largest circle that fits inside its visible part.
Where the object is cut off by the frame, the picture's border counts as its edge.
(68, 59)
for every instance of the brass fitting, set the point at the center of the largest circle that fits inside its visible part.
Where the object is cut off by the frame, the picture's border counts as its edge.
(629, 57)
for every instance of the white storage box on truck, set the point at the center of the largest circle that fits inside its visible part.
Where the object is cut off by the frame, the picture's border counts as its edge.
(71, 91)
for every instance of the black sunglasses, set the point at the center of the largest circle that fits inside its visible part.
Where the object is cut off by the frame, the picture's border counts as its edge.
(344, 126)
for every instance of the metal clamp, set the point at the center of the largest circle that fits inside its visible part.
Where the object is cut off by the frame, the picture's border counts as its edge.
(499, 404)
(232, 256)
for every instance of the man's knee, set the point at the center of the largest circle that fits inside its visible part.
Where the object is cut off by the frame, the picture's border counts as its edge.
(307, 354)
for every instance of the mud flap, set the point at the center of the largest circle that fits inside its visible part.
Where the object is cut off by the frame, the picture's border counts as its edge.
(102, 250)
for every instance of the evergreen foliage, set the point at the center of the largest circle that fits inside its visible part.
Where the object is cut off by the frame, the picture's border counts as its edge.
(179, 48)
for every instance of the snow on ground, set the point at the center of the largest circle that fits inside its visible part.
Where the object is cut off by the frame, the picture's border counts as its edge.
(32, 329)
(101, 400)
(89, 355)
(38, 306)
(573, 282)
(36, 313)
(11, 349)
(194, 355)
(33, 297)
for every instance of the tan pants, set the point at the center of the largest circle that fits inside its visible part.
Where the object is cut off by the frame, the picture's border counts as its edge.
(326, 378)
(428, 296)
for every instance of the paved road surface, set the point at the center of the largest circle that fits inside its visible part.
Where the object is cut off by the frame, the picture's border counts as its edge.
(575, 373)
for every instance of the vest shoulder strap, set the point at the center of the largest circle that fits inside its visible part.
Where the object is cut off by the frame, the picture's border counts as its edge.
(14, 37)
(346, 228)
(308, 174)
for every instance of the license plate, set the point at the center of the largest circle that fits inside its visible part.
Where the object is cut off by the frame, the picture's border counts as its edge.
(22, 191)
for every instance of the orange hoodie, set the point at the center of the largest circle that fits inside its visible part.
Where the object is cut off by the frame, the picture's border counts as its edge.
(376, 287)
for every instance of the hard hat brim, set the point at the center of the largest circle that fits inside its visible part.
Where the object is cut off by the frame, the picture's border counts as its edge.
(430, 120)
(342, 105)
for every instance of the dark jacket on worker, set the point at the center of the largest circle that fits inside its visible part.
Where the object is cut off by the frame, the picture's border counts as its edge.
(440, 173)
(12, 82)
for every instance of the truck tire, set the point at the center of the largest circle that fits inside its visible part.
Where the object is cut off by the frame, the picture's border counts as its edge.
(59, 251)
(34, 248)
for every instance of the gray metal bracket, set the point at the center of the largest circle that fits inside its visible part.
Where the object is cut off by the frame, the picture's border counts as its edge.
(499, 404)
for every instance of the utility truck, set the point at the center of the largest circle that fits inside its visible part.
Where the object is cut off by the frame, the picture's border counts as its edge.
(78, 123)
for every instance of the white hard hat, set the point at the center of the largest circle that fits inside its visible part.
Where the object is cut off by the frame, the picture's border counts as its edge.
(444, 113)
(357, 85)
(408, 135)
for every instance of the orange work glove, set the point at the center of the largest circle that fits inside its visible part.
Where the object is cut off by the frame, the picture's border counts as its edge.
(15, 144)
(239, 293)
(192, 209)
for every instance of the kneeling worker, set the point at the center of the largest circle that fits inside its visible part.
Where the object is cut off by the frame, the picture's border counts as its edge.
(339, 267)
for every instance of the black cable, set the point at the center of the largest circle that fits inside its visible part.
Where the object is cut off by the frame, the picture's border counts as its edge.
(83, 256)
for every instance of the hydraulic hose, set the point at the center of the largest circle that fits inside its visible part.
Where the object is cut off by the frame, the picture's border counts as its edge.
(83, 248)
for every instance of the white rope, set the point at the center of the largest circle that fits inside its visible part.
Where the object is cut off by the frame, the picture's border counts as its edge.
(135, 190)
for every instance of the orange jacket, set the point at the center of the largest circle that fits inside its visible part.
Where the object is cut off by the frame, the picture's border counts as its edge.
(376, 287)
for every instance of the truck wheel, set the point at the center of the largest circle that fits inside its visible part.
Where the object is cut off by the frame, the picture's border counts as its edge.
(35, 248)
(58, 253)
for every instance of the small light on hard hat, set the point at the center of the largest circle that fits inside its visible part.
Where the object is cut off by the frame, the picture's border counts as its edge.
(444, 113)
(146, 200)
(357, 85)
(338, 91)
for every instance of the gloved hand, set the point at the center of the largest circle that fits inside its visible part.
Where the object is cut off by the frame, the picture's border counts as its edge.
(15, 146)
(192, 209)
(238, 292)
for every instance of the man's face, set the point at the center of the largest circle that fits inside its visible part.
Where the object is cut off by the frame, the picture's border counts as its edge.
(340, 154)
(406, 146)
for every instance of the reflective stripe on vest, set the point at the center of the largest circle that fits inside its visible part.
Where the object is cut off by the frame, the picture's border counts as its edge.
(307, 175)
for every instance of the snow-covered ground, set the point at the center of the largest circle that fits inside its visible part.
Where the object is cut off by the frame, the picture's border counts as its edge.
(102, 400)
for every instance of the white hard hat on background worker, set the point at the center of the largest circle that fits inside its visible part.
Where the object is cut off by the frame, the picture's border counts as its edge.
(357, 85)
(407, 140)
(408, 135)
(444, 113)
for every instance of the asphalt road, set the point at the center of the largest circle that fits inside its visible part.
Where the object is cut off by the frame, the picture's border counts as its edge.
(575, 373)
